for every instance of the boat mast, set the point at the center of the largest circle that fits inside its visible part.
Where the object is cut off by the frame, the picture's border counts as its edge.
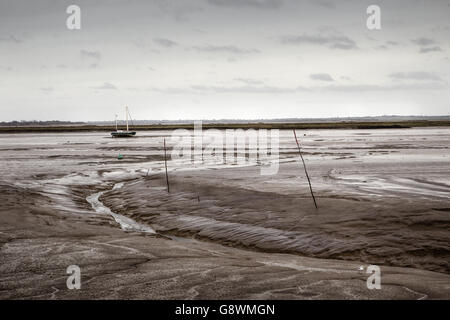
(116, 122)
(126, 114)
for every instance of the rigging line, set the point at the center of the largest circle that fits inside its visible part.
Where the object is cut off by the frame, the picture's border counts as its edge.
(128, 110)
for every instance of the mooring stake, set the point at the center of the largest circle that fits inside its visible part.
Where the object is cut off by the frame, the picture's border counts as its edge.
(165, 164)
(304, 166)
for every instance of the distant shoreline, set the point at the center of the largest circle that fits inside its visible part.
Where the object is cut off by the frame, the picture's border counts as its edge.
(260, 125)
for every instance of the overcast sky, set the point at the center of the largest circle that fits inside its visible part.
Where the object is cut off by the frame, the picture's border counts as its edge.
(215, 59)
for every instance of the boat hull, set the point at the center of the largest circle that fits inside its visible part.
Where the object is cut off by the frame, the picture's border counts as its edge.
(123, 134)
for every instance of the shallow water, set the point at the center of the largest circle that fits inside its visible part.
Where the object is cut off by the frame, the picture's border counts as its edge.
(125, 223)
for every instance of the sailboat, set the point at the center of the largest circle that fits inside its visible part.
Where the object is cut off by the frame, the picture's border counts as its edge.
(123, 133)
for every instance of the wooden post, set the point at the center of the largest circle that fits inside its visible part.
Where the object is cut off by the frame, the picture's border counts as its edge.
(165, 163)
(304, 166)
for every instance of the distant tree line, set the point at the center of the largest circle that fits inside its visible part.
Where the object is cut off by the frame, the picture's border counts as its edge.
(23, 123)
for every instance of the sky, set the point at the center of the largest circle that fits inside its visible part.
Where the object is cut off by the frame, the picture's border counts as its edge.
(223, 59)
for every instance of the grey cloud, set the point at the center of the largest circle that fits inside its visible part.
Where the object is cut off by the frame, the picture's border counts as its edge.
(184, 10)
(202, 89)
(10, 38)
(47, 89)
(106, 86)
(225, 49)
(261, 4)
(90, 54)
(324, 3)
(321, 77)
(246, 89)
(334, 41)
(423, 41)
(170, 90)
(181, 11)
(249, 81)
(441, 28)
(415, 75)
(387, 45)
(165, 42)
(374, 88)
(430, 49)
(231, 89)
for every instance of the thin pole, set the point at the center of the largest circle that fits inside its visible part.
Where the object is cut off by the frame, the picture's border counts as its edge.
(304, 166)
(165, 163)
(116, 122)
(126, 115)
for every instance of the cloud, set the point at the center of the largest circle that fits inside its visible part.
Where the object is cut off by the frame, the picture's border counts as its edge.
(387, 45)
(225, 49)
(10, 38)
(260, 4)
(324, 3)
(90, 54)
(321, 77)
(423, 41)
(252, 89)
(203, 89)
(183, 11)
(165, 42)
(171, 90)
(415, 75)
(249, 81)
(392, 43)
(430, 49)
(246, 89)
(106, 86)
(332, 41)
(47, 89)
(376, 88)
(425, 44)
(382, 47)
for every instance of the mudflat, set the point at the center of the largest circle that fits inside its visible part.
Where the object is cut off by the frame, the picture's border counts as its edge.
(225, 231)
